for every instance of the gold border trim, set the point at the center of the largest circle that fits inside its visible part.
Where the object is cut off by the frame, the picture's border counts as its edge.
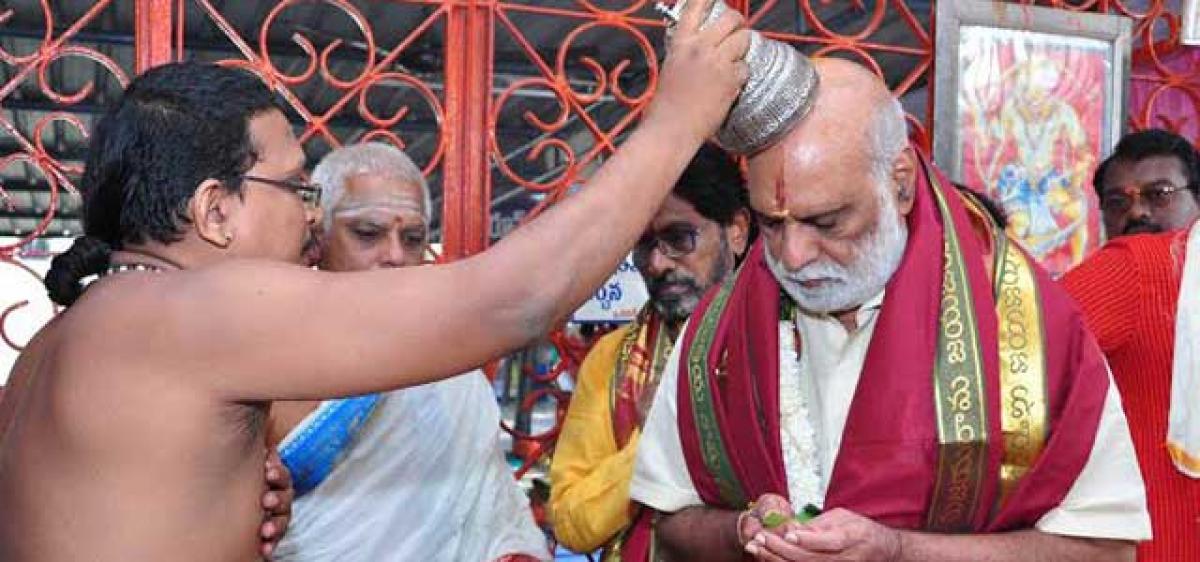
(1023, 406)
(704, 415)
(959, 394)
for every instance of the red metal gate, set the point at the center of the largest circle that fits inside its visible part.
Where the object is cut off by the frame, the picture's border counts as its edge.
(499, 99)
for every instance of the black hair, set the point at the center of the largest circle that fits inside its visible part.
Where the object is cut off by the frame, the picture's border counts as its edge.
(990, 206)
(1148, 143)
(714, 185)
(87, 256)
(175, 126)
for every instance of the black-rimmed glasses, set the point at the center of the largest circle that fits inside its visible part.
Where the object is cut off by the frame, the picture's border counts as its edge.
(1157, 196)
(310, 193)
(674, 242)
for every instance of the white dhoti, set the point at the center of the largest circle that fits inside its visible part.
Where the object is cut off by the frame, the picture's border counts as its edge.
(424, 480)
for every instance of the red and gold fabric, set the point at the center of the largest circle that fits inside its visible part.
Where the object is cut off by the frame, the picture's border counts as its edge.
(593, 461)
(942, 433)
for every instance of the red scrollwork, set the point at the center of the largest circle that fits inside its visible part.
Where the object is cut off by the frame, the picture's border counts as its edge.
(573, 103)
(12, 308)
(32, 150)
(571, 82)
(377, 69)
(58, 41)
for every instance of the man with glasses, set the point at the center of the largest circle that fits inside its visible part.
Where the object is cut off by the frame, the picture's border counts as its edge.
(1151, 183)
(134, 428)
(375, 457)
(693, 243)
(1139, 295)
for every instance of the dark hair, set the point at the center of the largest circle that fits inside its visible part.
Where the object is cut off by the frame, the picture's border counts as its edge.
(87, 256)
(1148, 143)
(175, 126)
(990, 206)
(714, 185)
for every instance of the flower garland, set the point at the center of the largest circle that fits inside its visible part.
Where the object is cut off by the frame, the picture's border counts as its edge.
(795, 424)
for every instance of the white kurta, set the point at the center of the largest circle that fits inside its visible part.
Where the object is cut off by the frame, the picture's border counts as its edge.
(1108, 499)
(424, 480)
(1183, 423)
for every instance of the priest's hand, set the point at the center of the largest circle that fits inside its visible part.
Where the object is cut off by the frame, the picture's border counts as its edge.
(837, 535)
(276, 502)
(703, 73)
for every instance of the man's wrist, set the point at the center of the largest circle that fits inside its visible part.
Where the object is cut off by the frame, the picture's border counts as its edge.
(901, 538)
(739, 524)
(671, 127)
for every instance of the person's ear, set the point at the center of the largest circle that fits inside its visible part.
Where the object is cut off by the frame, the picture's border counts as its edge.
(904, 177)
(737, 232)
(212, 208)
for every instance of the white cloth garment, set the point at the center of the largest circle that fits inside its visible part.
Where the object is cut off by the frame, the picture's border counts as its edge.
(1183, 423)
(1108, 499)
(424, 480)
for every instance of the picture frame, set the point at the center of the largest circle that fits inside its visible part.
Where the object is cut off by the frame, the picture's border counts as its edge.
(1028, 101)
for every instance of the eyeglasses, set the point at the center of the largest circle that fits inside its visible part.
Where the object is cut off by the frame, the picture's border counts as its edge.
(674, 242)
(310, 193)
(1157, 196)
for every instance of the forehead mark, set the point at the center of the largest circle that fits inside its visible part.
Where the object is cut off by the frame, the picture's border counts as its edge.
(780, 210)
(391, 202)
(376, 210)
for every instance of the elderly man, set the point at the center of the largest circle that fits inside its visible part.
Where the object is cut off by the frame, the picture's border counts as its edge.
(694, 242)
(1141, 297)
(1150, 183)
(196, 213)
(860, 362)
(413, 474)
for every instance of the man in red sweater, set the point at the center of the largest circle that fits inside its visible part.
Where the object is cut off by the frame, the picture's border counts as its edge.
(1130, 295)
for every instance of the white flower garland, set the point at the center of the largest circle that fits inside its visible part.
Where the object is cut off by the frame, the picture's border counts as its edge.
(797, 434)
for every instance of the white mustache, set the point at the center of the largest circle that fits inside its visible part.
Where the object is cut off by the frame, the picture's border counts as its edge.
(821, 271)
(877, 255)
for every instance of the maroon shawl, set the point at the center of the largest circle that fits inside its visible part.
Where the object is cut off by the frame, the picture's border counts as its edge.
(886, 467)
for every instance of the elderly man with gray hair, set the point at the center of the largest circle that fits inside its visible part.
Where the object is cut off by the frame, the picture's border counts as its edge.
(412, 474)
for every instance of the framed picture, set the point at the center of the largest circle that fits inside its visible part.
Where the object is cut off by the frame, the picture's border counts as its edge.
(1189, 27)
(1027, 101)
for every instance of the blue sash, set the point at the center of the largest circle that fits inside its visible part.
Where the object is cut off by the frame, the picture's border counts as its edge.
(314, 447)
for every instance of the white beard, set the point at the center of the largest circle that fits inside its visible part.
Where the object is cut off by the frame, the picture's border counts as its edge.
(848, 287)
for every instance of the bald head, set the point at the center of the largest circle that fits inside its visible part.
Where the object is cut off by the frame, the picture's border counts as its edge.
(849, 97)
(831, 196)
(852, 109)
(849, 85)
(856, 128)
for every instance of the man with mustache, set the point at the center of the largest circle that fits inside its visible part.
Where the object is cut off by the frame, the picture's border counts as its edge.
(1150, 183)
(195, 210)
(887, 357)
(694, 242)
(411, 474)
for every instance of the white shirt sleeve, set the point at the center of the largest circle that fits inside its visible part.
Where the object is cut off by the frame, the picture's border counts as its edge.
(660, 475)
(1108, 499)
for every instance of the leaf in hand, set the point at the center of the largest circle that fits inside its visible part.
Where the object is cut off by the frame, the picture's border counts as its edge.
(774, 519)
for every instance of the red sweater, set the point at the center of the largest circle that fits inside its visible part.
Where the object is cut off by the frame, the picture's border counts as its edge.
(1129, 292)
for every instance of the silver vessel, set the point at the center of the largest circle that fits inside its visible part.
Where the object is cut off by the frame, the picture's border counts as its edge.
(779, 92)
